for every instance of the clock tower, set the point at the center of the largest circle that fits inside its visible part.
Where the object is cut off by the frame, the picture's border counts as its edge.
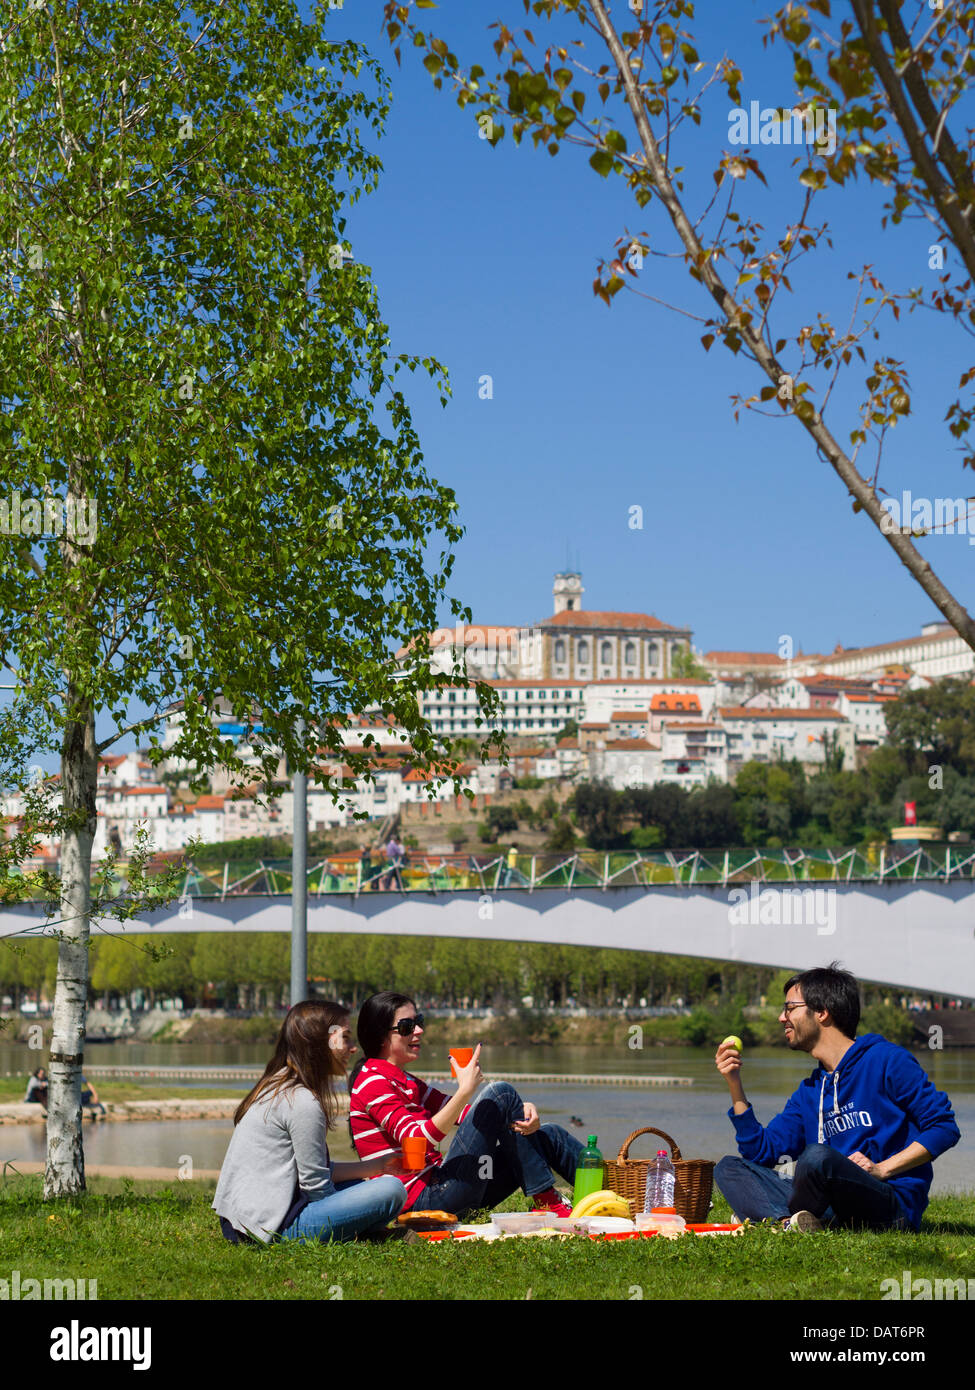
(567, 592)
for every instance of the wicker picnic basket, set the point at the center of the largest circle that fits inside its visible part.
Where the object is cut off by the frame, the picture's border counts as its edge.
(692, 1188)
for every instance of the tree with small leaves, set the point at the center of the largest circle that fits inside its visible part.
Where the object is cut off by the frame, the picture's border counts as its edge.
(198, 390)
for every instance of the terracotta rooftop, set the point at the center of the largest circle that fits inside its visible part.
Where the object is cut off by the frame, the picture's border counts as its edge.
(624, 745)
(834, 682)
(461, 770)
(945, 632)
(623, 622)
(651, 680)
(473, 635)
(744, 658)
(552, 681)
(674, 701)
(780, 715)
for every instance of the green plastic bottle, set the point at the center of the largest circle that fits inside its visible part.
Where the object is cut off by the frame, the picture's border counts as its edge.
(589, 1172)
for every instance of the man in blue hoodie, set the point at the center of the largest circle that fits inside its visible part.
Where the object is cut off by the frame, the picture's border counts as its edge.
(864, 1127)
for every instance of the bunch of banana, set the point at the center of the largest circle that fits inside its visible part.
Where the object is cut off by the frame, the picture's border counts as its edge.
(604, 1203)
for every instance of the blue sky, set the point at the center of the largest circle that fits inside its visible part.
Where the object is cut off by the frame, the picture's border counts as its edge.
(485, 259)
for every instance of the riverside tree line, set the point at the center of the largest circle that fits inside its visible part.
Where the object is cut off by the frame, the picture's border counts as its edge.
(250, 970)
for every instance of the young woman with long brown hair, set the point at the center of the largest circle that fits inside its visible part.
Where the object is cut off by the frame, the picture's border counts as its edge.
(277, 1179)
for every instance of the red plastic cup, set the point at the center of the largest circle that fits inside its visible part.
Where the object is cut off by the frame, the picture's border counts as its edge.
(414, 1152)
(459, 1057)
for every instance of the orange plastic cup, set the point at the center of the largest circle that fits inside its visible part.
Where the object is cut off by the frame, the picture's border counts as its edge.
(414, 1152)
(459, 1057)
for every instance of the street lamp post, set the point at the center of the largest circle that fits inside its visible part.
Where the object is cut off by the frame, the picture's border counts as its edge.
(299, 828)
(299, 883)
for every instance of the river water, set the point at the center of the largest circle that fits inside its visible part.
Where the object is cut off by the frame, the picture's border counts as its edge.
(695, 1116)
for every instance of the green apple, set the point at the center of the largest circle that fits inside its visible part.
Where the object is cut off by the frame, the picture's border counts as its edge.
(732, 1041)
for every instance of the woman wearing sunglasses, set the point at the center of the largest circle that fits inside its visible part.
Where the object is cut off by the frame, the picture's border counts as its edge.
(277, 1179)
(500, 1144)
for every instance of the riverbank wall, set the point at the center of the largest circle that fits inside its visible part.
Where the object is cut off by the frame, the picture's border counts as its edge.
(17, 1113)
(700, 1027)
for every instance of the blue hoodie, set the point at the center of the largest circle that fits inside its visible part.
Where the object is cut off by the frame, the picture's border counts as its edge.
(878, 1101)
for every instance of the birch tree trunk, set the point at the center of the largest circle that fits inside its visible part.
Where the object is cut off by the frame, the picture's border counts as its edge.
(65, 1172)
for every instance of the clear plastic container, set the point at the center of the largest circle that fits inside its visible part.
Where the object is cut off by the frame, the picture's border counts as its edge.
(566, 1225)
(517, 1223)
(666, 1222)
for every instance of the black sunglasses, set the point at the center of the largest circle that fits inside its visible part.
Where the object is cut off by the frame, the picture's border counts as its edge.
(406, 1026)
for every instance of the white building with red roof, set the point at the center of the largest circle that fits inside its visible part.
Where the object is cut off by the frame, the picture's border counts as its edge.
(866, 711)
(674, 706)
(629, 724)
(572, 644)
(733, 666)
(123, 770)
(696, 741)
(765, 735)
(597, 645)
(936, 652)
(626, 762)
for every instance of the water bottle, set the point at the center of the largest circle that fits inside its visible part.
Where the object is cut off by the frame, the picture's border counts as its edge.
(589, 1172)
(660, 1184)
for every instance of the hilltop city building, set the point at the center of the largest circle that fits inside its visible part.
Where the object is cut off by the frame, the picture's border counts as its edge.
(584, 696)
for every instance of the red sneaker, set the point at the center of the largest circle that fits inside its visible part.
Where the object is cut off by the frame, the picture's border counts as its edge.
(551, 1201)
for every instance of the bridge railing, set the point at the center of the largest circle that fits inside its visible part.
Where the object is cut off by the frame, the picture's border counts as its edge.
(420, 872)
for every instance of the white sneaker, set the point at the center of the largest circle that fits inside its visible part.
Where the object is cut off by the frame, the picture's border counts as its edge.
(803, 1221)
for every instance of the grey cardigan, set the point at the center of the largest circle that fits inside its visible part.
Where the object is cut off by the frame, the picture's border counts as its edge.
(278, 1144)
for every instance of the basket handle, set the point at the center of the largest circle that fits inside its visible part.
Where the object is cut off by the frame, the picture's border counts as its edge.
(625, 1147)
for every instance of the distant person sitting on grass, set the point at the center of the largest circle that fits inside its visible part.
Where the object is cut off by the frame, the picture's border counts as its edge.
(864, 1126)
(89, 1099)
(500, 1144)
(277, 1179)
(37, 1088)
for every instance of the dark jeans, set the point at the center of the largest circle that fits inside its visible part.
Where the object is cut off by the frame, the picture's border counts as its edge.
(487, 1160)
(826, 1183)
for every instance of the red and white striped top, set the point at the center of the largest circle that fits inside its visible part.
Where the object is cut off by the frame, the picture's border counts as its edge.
(388, 1105)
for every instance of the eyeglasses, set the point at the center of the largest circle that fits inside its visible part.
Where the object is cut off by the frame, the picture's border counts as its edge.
(406, 1026)
(787, 1008)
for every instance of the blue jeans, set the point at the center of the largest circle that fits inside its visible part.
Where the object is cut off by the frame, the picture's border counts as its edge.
(487, 1160)
(826, 1183)
(353, 1207)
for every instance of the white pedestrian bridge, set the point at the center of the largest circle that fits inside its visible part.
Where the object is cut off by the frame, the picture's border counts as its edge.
(900, 917)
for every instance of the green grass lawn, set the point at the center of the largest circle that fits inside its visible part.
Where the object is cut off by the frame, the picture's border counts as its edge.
(12, 1089)
(144, 1240)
